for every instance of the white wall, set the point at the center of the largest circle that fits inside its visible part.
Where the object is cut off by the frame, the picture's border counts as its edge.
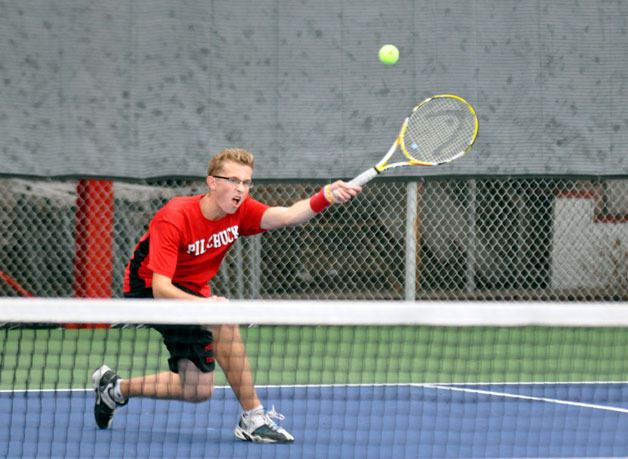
(587, 252)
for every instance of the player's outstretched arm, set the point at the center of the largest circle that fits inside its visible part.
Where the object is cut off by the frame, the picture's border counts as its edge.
(302, 211)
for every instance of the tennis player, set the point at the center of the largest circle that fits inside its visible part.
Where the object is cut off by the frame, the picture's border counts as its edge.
(180, 253)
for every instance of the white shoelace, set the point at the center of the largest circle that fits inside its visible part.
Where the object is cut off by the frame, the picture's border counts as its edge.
(273, 414)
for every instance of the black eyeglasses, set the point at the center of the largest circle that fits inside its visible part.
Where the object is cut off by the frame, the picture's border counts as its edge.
(236, 181)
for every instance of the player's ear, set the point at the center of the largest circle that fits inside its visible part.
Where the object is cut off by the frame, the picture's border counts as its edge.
(211, 183)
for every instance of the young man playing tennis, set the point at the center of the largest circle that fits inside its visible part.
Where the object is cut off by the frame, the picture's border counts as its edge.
(176, 258)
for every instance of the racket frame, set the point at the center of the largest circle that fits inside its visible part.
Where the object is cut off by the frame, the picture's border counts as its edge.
(383, 165)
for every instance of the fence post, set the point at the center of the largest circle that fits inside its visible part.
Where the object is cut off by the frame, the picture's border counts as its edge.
(472, 237)
(256, 266)
(93, 260)
(411, 241)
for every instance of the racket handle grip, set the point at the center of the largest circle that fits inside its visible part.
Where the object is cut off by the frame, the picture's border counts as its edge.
(364, 177)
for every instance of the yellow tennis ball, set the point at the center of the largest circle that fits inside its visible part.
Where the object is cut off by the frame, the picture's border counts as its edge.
(388, 54)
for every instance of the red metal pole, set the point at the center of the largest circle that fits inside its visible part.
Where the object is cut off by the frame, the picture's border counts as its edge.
(93, 261)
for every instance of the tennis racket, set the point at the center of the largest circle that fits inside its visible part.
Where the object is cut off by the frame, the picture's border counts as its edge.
(439, 130)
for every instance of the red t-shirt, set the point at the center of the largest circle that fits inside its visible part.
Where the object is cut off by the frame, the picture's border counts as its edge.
(186, 247)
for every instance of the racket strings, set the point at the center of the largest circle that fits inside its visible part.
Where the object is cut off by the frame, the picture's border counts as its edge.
(439, 131)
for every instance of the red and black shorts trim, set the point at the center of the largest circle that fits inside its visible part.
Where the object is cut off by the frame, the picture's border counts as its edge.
(190, 342)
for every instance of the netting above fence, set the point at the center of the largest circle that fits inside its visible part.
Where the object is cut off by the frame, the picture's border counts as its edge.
(142, 88)
(447, 239)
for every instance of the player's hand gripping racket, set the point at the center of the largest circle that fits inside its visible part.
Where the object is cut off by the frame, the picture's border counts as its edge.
(439, 130)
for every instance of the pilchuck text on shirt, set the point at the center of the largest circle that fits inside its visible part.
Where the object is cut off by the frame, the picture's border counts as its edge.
(214, 241)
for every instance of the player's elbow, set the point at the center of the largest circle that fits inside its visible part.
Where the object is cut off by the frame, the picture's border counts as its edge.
(161, 286)
(159, 291)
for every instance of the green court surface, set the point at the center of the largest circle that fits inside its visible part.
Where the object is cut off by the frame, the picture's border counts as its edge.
(62, 359)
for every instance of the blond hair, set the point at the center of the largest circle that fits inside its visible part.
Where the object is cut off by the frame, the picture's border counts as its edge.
(236, 155)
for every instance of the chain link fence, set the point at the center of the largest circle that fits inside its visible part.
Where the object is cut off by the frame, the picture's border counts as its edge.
(489, 239)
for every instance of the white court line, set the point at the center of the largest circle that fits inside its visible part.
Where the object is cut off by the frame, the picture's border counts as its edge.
(405, 384)
(454, 387)
(526, 383)
(526, 397)
(257, 386)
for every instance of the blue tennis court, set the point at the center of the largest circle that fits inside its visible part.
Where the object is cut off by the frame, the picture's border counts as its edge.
(329, 421)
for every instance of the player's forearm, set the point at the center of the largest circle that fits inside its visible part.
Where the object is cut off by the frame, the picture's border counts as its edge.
(163, 288)
(298, 213)
(303, 211)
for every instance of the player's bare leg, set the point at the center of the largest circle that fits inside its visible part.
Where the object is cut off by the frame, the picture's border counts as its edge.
(256, 424)
(190, 384)
(231, 355)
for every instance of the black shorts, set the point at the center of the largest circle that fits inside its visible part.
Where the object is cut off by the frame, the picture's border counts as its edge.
(184, 341)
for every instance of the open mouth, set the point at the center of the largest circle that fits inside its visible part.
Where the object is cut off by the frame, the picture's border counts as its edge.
(236, 200)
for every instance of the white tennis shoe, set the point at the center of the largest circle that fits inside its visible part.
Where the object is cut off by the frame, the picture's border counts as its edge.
(259, 427)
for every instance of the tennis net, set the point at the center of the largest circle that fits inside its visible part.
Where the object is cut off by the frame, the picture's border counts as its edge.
(353, 379)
